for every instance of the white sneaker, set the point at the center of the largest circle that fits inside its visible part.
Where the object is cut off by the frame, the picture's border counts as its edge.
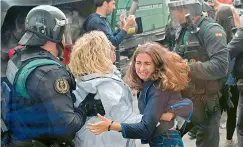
(230, 143)
(222, 125)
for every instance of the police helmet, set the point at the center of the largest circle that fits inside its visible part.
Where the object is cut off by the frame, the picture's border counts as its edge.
(44, 23)
(182, 7)
(210, 1)
(238, 3)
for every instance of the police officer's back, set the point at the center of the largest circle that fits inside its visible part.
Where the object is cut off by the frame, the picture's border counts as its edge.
(39, 107)
(203, 43)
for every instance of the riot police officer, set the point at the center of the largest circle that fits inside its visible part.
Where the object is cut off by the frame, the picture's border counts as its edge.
(203, 43)
(236, 51)
(38, 105)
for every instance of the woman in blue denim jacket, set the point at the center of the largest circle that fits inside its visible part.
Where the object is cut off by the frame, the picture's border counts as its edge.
(159, 75)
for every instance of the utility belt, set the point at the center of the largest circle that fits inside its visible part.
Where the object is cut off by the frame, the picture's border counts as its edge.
(8, 140)
(206, 94)
(210, 102)
(202, 87)
(37, 143)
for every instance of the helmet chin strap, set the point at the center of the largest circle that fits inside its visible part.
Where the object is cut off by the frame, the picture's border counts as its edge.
(60, 48)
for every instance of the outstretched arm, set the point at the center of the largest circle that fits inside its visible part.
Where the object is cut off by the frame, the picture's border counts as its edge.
(155, 106)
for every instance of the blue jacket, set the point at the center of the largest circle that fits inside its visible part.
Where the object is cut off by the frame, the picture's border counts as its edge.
(98, 22)
(152, 103)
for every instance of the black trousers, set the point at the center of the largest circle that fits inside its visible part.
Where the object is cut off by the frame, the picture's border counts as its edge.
(240, 121)
(232, 113)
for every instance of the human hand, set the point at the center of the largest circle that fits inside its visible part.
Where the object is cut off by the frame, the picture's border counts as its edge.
(122, 21)
(130, 22)
(167, 116)
(113, 54)
(99, 127)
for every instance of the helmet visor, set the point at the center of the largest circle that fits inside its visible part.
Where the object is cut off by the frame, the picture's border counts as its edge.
(67, 43)
(68, 33)
(177, 15)
(179, 8)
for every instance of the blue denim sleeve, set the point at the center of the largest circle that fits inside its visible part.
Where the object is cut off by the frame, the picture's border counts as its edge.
(115, 38)
(116, 32)
(156, 105)
(123, 130)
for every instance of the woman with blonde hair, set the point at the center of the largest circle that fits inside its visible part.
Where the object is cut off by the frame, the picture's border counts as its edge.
(159, 75)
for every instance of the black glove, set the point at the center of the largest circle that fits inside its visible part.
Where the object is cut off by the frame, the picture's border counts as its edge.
(82, 113)
(90, 106)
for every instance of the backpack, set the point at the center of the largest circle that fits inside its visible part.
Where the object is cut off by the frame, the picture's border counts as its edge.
(182, 109)
(14, 84)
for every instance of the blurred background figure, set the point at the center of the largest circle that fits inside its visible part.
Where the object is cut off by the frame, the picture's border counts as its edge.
(230, 93)
(217, 4)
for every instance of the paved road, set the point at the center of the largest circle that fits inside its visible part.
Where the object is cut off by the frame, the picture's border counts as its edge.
(186, 140)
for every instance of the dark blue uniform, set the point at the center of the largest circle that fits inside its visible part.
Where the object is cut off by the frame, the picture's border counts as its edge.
(49, 114)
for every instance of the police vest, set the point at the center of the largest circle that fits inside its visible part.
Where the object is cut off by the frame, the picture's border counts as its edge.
(14, 92)
(18, 72)
(191, 47)
(16, 96)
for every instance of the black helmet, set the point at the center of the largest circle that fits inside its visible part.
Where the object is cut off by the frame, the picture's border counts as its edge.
(44, 23)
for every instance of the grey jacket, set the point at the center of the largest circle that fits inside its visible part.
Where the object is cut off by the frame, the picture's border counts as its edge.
(116, 98)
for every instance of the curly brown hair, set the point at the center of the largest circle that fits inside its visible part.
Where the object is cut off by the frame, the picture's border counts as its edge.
(170, 69)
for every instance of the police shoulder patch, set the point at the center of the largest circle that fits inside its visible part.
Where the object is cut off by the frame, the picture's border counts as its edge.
(61, 86)
(218, 34)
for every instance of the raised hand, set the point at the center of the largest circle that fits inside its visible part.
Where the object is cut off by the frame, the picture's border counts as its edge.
(122, 21)
(130, 22)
